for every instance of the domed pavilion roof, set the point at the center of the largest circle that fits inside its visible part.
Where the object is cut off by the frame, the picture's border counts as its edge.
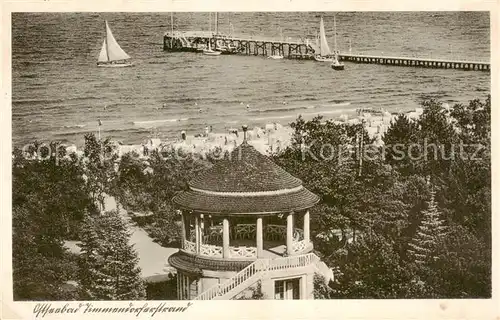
(245, 182)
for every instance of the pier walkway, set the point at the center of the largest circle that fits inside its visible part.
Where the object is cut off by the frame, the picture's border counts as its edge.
(417, 62)
(299, 49)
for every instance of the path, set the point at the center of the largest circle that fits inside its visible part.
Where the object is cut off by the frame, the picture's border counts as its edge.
(152, 256)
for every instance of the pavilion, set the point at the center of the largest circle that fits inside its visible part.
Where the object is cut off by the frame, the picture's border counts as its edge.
(245, 220)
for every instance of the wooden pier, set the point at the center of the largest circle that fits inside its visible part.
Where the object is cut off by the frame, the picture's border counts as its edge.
(191, 41)
(417, 62)
(194, 40)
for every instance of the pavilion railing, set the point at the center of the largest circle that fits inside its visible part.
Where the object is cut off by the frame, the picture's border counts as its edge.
(273, 232)
(298, 246)
(189, 246)
(210, 250)
(211, 245)
(243, 252)
(245, 231)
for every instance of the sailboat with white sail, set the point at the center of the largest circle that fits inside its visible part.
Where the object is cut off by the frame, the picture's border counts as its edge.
(324, 55)
(225, 47)
(112, 55)
(209, 51)
(336, 64)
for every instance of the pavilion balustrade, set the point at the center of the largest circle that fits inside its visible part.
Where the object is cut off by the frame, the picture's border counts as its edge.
(247, 232)
(211, 239)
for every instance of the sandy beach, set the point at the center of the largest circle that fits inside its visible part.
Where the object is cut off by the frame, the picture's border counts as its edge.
(267, 139)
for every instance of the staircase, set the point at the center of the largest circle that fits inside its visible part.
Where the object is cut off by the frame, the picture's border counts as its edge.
(252, 273)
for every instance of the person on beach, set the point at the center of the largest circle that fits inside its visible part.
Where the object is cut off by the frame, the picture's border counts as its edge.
(235, 132)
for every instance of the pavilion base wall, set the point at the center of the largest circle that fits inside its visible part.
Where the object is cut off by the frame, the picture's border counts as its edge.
(191, 285)
(304, 275)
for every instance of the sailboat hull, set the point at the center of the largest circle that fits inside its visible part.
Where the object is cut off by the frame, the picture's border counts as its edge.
(337, 66)
(228, 51)
(211, 53)
(115, 65)
(323, 59)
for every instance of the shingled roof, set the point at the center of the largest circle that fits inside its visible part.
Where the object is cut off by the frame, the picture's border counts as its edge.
(245, 170)
(246, 182)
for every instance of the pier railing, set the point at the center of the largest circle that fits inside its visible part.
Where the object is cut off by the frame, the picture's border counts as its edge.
(424, 57)
(416, 62)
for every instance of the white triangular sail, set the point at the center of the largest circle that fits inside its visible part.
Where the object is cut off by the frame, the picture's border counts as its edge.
(324, 49)
(103, 56)
(114, 51)
(316, 44)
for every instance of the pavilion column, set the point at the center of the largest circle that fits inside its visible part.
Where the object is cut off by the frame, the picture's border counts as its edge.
(306, 228)
(202, 228)
(260, 240)
(197, 232)
(225, 238)
(289, 233)
(183, 230)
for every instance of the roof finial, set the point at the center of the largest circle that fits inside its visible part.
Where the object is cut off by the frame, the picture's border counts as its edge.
(245, 128)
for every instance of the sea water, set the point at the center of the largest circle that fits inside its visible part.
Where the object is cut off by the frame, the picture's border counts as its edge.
(59, 93)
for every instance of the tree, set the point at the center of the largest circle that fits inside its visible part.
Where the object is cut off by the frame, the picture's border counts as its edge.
(40, 268)
(373, 269)
(401, 133)
(322, 290)
(49, 201)
(430, 232)
(99, 165)
(366, 193)
(463, 267)
(149, 185)
(108, 263)
(171, 170)
(163, 226)
(131, 184)
(41, 185)
(473, 120)
(382, 203)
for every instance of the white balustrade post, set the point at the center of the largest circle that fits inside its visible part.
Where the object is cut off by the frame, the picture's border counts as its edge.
(197, 233)
(289, 233)
(260, 241)
(225, 238)
(306, 228)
